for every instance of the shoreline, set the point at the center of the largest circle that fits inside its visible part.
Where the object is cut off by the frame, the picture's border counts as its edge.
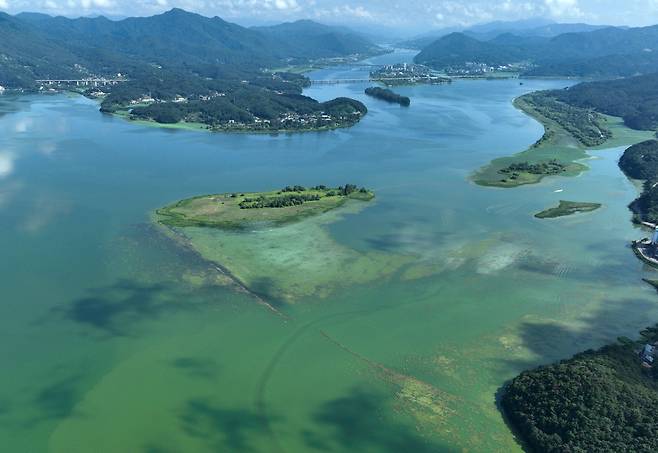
(201, 127)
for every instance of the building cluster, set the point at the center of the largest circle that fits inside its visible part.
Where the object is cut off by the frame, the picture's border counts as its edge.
(405, 73)
(480, 69)
(401, 70)
(291, 120)
(178, 99)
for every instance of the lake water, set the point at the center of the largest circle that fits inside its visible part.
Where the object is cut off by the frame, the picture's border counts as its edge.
(114, 339)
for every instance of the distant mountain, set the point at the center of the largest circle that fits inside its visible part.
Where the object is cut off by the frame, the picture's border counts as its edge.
(511, 26)
(308, 39)
(457, 49)
(486, 32)
(607, 52)
(174, 36)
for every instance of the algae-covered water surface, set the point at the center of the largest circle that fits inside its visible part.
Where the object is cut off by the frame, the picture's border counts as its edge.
(383, 327)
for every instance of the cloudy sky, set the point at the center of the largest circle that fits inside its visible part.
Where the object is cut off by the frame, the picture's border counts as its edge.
(408, 14)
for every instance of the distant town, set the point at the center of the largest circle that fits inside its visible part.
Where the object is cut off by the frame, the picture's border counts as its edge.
(407, 74)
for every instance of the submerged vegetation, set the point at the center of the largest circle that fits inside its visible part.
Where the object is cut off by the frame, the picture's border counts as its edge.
(237, 210)
(388, 96)
(566, 208)
(601, 400)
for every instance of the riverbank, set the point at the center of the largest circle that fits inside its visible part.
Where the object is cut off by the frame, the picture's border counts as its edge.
(557, 145)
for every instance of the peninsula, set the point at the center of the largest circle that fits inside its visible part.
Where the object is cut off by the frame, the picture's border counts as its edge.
(575, 120)
(388, 96)
(640, 162)
(596, 401)
(237, 210)
(566, 208)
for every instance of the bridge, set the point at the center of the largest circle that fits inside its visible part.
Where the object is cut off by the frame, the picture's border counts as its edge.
(81, 82)
(384, 80)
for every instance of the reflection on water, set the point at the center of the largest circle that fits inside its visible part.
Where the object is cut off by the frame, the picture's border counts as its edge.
(114, 336)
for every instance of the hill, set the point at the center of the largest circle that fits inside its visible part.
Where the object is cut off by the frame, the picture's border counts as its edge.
(40, 46)
(607, 52)
(306, 39)
(25, 55)
(601, 400)
(175, 36)
(634, 99)
(457, 49)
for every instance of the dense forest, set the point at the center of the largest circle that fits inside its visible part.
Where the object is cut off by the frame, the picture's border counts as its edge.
(601, 401)
(581, 121)
(641, 162)
(388, 96)
(635, 99)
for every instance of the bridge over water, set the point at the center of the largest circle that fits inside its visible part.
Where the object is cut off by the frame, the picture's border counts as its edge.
(384, 80)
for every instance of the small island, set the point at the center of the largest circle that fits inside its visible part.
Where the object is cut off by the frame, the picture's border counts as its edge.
(566, 208)
(237, 210)
(388, 96)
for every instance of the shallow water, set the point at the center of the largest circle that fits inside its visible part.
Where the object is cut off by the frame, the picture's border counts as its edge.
(116, 339)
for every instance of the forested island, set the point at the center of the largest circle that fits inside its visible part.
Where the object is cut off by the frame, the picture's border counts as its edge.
(237, 210)
(587, 115)
(566, 208)
(388, 96)
(601, 400)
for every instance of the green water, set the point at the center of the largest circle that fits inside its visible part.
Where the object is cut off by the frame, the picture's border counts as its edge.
(115, 339)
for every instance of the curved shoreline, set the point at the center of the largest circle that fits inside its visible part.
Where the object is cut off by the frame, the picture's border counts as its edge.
(556, 144)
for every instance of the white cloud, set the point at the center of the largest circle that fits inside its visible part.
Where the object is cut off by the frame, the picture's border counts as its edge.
(564, 8)
(6, 163)
(412, 14)
(22, 125)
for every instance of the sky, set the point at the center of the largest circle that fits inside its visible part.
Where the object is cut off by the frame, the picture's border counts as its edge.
(410, 14)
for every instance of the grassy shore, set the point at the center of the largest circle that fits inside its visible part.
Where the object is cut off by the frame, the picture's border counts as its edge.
(236, 210)
(556, 145)
(566, 208)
